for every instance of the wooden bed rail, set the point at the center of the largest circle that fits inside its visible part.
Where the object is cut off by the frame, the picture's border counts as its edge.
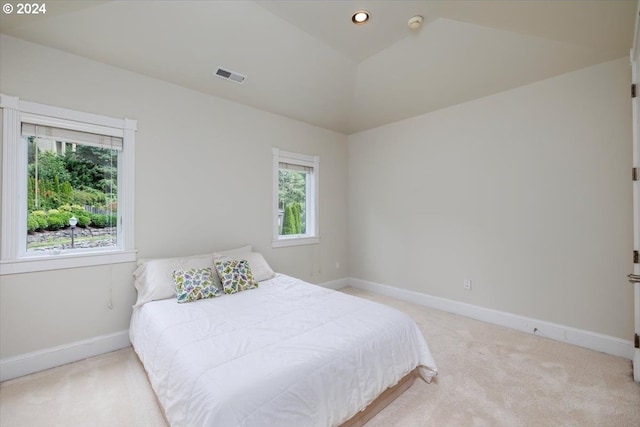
(387, 396)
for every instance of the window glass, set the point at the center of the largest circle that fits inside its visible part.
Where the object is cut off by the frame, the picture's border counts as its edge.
(292, 206)
(295, 198)
(72, 194)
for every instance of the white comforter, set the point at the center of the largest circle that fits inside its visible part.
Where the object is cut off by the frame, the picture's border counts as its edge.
(285, 354)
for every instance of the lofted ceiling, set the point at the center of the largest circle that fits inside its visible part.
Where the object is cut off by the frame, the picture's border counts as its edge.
(308, 61)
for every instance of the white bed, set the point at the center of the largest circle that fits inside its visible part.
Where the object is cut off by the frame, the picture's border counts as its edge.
(285, 354)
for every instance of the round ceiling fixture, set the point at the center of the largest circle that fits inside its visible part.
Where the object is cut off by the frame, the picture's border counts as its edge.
(415, 22)
(360, 17)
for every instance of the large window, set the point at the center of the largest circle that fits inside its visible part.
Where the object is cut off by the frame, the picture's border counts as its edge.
(67, 189)
(295, 198)
(72, 189)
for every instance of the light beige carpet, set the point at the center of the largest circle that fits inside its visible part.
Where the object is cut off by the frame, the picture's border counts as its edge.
(489, 376)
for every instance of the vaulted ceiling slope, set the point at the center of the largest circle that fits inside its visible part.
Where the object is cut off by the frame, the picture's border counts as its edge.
(308, 61)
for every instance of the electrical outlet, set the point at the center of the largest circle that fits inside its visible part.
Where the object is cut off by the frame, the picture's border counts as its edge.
(337, 265)
(467, 284)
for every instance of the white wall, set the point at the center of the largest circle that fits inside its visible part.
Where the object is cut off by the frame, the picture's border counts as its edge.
(527, 193)
(203, 183)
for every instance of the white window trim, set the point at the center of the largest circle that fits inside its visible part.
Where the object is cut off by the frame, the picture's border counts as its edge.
(13, 256)
(313, 235)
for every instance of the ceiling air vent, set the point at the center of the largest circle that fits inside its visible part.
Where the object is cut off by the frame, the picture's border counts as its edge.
(230, 75)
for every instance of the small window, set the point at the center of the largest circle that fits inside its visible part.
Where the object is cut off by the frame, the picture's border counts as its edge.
(67, 195)
(295, 199)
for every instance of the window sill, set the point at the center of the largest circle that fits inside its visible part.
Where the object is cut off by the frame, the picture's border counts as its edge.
(62, 261)
(284, 242)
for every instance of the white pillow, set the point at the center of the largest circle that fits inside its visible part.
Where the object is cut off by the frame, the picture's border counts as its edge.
(154, 277)
(259, 267)
(236, 251)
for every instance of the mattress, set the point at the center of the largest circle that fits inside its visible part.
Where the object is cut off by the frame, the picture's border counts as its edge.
(285, 354)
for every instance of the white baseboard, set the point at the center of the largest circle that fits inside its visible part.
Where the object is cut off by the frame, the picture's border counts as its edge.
(587, 339)
(28, 363)
(335, 284)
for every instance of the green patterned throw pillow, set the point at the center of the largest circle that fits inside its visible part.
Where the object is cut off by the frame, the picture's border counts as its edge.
(235, 276)
(194, 284)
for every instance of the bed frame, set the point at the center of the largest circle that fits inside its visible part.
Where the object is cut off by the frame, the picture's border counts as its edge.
(387, 396)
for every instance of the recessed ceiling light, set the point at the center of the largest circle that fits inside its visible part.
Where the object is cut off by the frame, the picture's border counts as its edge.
(360, 17)
(415, 22)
